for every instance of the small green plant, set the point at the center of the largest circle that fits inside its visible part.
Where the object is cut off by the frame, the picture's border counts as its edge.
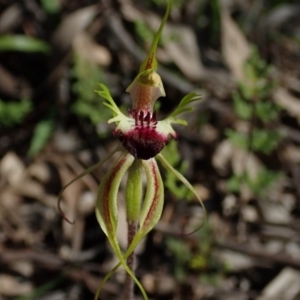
(252, 103)
(265, 178)
(87, 103)
(13, 112)
(171, 181)
(260, 140)
(196, 257)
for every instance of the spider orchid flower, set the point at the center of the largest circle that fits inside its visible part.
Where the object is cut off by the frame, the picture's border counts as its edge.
(142, 139)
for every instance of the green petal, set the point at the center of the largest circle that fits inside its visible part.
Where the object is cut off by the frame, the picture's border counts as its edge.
(183, 105)
(110, 103)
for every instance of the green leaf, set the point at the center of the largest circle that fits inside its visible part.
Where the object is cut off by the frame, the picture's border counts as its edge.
(264, 181)
(258, 185)
(247, 92)
(267, 111)
(13, 112)
(237, 138)
(23, 43)
(265, 141)
(234, 183)
(51, 6)
(41, 135)
(88, 104)
(242, 107)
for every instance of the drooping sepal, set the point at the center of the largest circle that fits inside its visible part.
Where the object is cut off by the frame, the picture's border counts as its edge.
(107, 212)
(169, 168)
(106, 205)
(154, 198)
(150, 212)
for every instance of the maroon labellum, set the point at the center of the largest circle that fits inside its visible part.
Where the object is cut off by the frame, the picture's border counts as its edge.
(143, 141)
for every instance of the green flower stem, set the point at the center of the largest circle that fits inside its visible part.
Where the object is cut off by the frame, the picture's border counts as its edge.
(131, 262)
(134, 191)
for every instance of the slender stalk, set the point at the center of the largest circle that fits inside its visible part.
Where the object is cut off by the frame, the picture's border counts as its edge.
(131, 262)
(134, 192)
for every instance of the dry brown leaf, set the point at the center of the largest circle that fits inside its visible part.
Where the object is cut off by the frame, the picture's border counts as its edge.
(89, 50)
(71, 197)
(235, 47)
(292, 153)
(289, 102)
(274, 212)
(286, 285)
(13, 170)
(10, 18)
(185, 52)
(221, 157)
(245, 161)
(72, 25)
(40, 171)
(240, 160)
(12, 286)
(23, 266)
(8, 83)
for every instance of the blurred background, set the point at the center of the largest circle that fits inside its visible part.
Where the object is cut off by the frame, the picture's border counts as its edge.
(241, 149)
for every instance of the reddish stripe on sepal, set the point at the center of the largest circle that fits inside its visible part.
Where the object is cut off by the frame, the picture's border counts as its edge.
(106, 207)
(154, 198)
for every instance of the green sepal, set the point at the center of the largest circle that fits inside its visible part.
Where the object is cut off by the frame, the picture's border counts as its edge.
(154, 198)
(150, 212)
(107, 212)
(169, 168)
(150, 62)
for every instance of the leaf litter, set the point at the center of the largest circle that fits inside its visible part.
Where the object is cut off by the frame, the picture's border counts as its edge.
(250, 246)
